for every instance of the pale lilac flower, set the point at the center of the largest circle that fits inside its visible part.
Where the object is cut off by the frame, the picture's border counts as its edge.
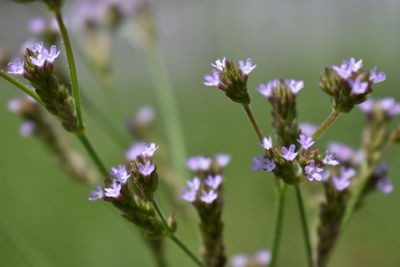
(348, 67)
(367, 106)
(149, 150)
(266, 143)
(135, 150)
(37, 25)
(120, 173)
(330, 159)
(145, 115)
(98, 193)
(239, 260)
(355, 65)
(190, 193)
(289, 154)
(51, 54)
(308, 128)
(213, 79)
(222, 159)
(36, 47)
(342, 152)
(194, 184)
(343, 181)
(375, 76)
(325, 175)
(305, 141)
(357, 86)
(219, 64)
(209, 197)
(114, 191)
(313, 172)
(198, 163)
(389, 106)
(16, 67)
(247, 67)
(384, 185)
(27, 128)
(270, 165)
(263, 257)
(147, 168)
(14, 105)
(259, 163)
(39, 60)
(266, 89)
(213, 181)
(294, 85)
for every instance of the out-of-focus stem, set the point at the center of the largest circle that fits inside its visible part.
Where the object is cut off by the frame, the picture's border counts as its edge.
(21, 86)
(92, 153)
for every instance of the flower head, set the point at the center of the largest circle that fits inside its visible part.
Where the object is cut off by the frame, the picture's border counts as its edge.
(289, 154)
(342, 182)
(114, 191)
(219, 64)
(213, 181)
(16, 67)
(120, 173)
(357, 86)
(147, 168)
(266, 143)
(266, 89)
(149, 150)
(295, 86)
(190, 193)
(305, 141)
(213, 79)
(330, 159)
(51, 54)
(135, 150)
(375, 76)
(262, 163)
(247, 66)
(209, 197)
(347, 67)
(198, 163)
(222, 159)
(313, 172)
(98, 193)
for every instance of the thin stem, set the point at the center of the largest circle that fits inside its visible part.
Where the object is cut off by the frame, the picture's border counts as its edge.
(305, 226)
(277, 231)
(253, 122)
(92, 153)
(322, 128)
(71, 66)
(173, 237)
(21, 86)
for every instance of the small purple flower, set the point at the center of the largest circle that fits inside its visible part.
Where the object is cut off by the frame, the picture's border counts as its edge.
(14, 105)
(114, 191)
(198, 163)
(98, 193)
(194, 184)
(190, 193)
(149, 150)
(266, 89)
(330, 159)
(37, 25)
(263, 257)
(209, 197)
(266, 143)
(342, 152)
(313, 172)
(27, 128)
(222, 159)
(294, 85)
(375, 76)
(346, 69)
(367, 106)
(52, 54)
(16, 67)
(355, 65)
(213, 181)
(308, 128)
(147, 168)
(247, 67)
(145, 115)
(135, 150)
(357, 86)
(270, 165)
(384, 185)
(36, 47)
(219, 64)
(120, 173)
(213, 79)
(343, 181)
(305, 141)
(389, 106)
(289, 154)
(240, 260)
(259, 163)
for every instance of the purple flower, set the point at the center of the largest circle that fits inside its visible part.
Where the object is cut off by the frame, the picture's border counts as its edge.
(263, 257)
(198, 163)
(51, 54)
(213, 181)
(135, 150)
(145, 115)
(259, 163)
(266, 143)
(37, 25)
(305, 141)
(294, 85)
(375, 76)
(357, 86)
(266, 89)
(347, 68)
(355, 65)
(240, 260)
(149, 150)
(313, 172)
(147, 168)
(330, 159)
(270, 165)
(14, 105)
(16, 67)
(308, 128)
(389, 106)
(289, 154)
(36, 47)
(367, 106)
(114, 191)
(190, 193)
(209, 197)
(27, 128)
(194, 184)
(384, 185)
(222, 159)
(343, 181)
(120, 173)
(98, 193)
(219, 64)
(247, 67)
(342, 152)
(213, 79)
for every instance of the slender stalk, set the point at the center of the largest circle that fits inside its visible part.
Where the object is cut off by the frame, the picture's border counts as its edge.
(71, 66)
(277, 230)
(322, 128)
(21, 86)
(253, 122)
(305, 226)
(92, 153)
(173, 237)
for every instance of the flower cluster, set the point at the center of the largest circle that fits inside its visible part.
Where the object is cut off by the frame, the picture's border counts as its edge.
(231, 78)
(386, 106)
(349, 85)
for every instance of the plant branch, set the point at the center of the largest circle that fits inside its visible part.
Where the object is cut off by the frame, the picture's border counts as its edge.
(21, 86)
(322, 128)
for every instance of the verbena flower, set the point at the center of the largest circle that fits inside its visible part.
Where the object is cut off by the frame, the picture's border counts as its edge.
(266, 89)
(358, 86)
(294, 85)
(385, 185)
(347, 67)
(259, 163)
(342, 152)
(213, 79)
(149, 150)
(305, 141)
(114, 191)
(98, 193)
(266, 143)
(27, 128)
(240, 260)
(219, 64)
(135, 150)
(307, 128)
(120, 173)
(147, 168)
(343, 181)
(222, 159)
(190, 193)
(387, 105)
(198, 163)
(247, 66)
(263, 257)
(330, 159)
(313, 172)
(145, 115)
(375, 76)
(208, 197)
(213, 181)
(289, 154)
(16, 67)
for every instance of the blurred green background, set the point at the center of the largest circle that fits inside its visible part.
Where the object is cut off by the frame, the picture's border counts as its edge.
(45, 218)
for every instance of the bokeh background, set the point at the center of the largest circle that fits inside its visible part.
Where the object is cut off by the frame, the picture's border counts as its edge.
(45, 218)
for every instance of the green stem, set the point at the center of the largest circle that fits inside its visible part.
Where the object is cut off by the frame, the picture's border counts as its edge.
(305, 226)
(332, 116)
(277, 231)
(71, 66)
(21, 86)
(173, 237)
(92, 153)
(253, 122)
